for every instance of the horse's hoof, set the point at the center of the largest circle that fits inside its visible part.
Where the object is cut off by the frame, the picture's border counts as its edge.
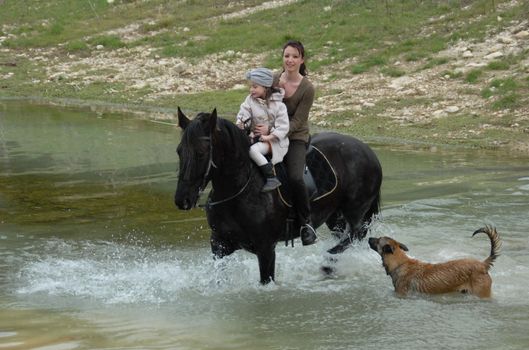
(308, 235)
(340, 248)
(328, 271)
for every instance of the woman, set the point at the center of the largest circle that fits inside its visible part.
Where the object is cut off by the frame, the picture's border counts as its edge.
(299, 96)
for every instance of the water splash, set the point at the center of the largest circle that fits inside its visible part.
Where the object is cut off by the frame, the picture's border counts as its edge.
(112, 273)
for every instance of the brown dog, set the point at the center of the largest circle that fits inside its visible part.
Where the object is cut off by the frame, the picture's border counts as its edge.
(411, 275)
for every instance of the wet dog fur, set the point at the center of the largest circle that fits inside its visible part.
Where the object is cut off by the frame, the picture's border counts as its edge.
(463, 275)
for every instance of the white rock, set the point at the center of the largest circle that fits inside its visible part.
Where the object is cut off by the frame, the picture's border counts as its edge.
(452, 109)
(401, 82)
(524, 34)
(476, 65)
(506, 39)
(180, 67)
(439, 113)
(494, 55)
(368, 104)
(468, 54)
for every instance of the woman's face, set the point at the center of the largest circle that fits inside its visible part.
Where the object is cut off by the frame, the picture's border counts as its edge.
(292, 59)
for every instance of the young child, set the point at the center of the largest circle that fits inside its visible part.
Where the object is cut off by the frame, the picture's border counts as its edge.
(264, 107)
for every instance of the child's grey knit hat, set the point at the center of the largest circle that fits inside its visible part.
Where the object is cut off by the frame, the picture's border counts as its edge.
(261, 76)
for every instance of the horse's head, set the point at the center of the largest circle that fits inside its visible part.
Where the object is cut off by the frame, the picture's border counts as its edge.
(195, 157)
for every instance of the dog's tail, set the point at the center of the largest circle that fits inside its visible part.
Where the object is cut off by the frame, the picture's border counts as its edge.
(495, 244)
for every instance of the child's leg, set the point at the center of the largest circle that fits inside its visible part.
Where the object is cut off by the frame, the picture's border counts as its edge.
(257, 152)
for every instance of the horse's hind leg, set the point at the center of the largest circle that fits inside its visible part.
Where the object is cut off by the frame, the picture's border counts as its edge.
(328, 269)
(342, 245)
(358, 216)
(337, 224)
(352, 235)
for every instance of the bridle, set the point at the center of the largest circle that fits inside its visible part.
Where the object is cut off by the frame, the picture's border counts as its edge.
(211, 164)
(206, 178)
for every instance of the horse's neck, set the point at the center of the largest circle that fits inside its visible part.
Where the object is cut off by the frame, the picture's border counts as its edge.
(229, 179)
(234, 169)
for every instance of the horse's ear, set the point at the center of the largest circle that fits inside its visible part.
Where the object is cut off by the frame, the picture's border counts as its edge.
(213, 121)
(183, 121)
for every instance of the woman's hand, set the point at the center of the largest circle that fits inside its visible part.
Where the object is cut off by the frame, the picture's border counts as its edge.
(261, 129)
(266, 138)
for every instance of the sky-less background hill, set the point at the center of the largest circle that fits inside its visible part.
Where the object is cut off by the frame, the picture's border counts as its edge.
(423, 71)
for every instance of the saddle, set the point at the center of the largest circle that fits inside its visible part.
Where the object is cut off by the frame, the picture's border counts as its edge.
(320, 177)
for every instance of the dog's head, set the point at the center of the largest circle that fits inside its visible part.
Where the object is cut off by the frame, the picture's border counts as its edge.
(390, 250)
(386, 245)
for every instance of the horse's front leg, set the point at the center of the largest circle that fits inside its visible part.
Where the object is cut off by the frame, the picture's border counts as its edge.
(267, 265)
(220, 247)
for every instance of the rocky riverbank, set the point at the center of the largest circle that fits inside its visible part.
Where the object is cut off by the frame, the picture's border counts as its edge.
(440, 93)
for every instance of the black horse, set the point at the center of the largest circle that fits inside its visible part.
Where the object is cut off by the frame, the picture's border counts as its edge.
(242, 217)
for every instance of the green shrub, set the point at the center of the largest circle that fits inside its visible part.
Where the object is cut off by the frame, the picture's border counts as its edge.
(393, 72)
(56, 29)
(498, 65)
(508, 101)
(433, 62)
(359, 69)
(473, 76)
(504, 85)
(76, 45)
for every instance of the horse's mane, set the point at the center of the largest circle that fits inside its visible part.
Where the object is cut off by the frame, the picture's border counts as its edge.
(240, 143)
(234, 140)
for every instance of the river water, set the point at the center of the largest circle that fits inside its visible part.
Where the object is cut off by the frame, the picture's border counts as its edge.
(94, 255)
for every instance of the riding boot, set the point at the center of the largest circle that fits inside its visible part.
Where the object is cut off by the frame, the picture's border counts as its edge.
(271, 180)
(307, 234)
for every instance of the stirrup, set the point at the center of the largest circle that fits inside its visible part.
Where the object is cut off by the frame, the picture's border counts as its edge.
(307, 234)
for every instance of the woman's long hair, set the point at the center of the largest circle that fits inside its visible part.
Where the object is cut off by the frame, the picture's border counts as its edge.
(298, 46)
(269, 91)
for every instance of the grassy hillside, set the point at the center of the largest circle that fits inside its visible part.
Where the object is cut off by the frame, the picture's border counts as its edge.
(434, 71)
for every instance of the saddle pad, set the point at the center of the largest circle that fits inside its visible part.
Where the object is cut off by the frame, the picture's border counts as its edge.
(319, 173)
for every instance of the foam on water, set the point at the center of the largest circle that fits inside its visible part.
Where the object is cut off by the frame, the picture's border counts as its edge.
(120, 273)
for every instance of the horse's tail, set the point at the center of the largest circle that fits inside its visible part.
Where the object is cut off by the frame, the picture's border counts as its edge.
(374, 209)
(370, 215)
(495, 244)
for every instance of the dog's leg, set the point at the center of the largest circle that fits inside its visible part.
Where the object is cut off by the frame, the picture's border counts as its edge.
(481, 285)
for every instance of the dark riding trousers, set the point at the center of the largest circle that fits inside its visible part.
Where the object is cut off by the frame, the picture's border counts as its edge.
(295, 163)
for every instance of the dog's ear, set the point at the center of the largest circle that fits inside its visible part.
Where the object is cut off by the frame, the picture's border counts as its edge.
(387, 249)
(403, 247)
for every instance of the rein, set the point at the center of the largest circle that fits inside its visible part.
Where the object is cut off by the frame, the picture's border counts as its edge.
(206, 179)
(211, 164)
(209, 203)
